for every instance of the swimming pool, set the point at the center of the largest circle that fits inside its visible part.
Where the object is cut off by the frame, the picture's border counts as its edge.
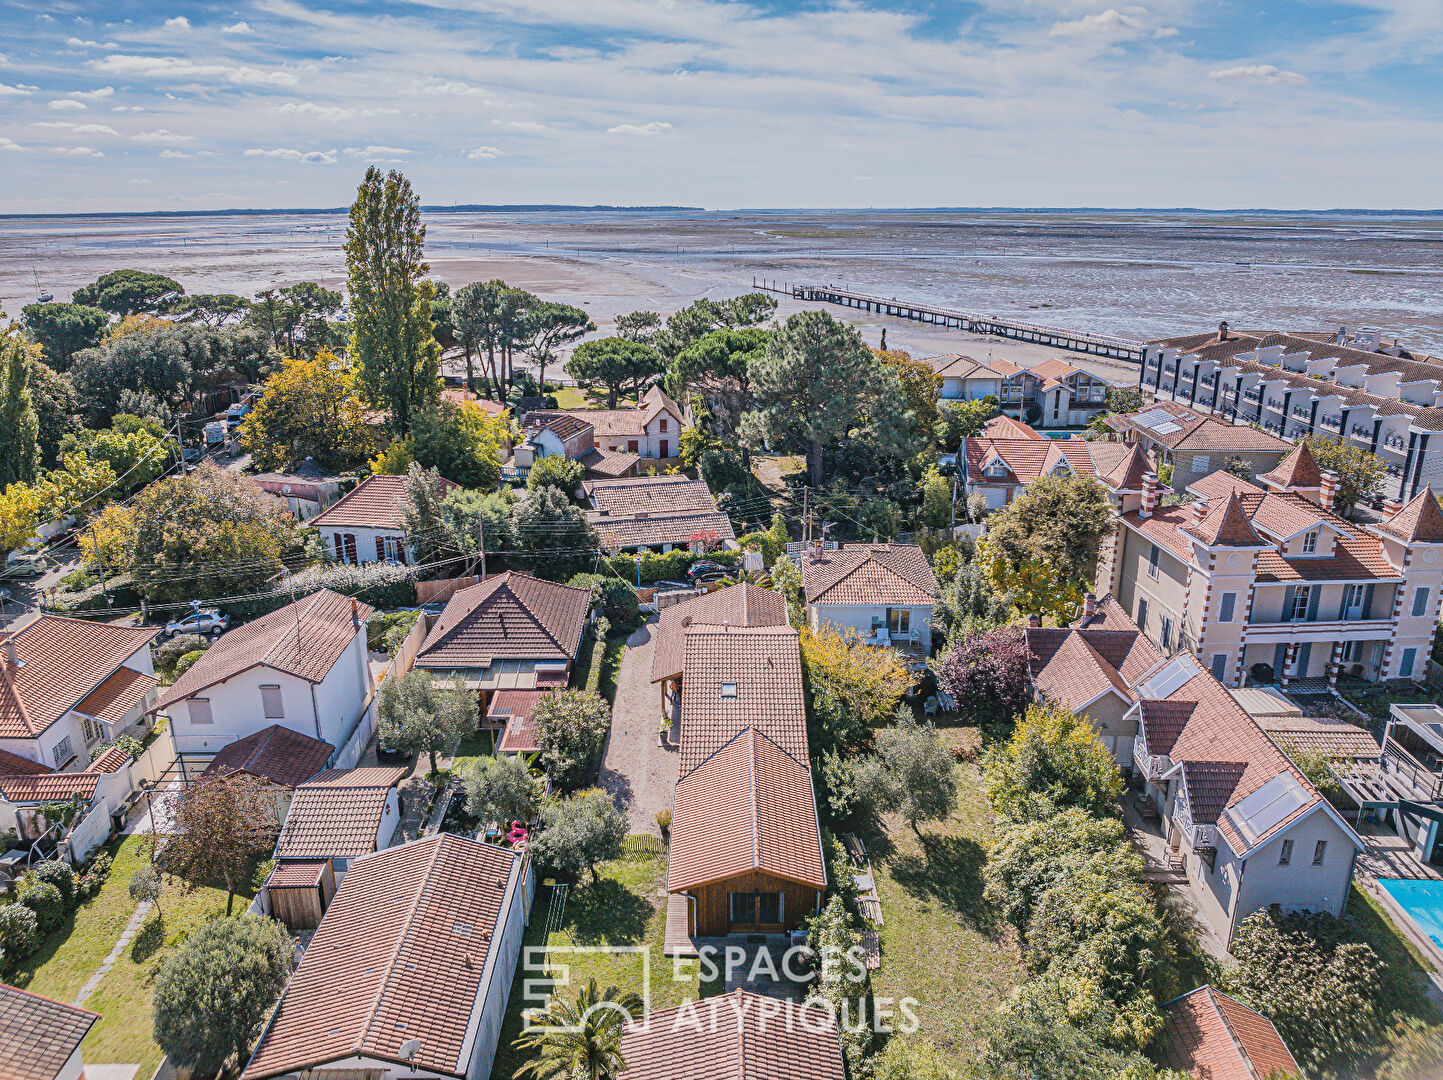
(1422, 900)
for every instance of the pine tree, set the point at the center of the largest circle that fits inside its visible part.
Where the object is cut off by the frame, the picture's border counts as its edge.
(19, 429)
(391, 340)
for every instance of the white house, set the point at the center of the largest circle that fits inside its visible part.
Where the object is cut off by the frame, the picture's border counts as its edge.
(40, 1038)
(650, 430)
(103, 789)
(67, 685)
(304, 667)
(883, 593)
(368, 524)
(409, 972)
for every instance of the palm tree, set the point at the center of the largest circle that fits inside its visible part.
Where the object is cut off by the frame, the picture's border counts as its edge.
(581, 1041)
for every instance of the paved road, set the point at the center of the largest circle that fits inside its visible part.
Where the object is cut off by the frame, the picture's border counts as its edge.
(634, 768)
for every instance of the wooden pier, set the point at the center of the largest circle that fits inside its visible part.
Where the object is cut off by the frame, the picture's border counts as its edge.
(1083, 341)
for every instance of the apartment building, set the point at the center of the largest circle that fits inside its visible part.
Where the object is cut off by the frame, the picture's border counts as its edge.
(1357, 388)
(1262, 580)
(1063, 395)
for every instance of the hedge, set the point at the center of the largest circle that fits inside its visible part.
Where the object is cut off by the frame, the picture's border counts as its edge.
(669, 567)
(121, 589)
(382, 585)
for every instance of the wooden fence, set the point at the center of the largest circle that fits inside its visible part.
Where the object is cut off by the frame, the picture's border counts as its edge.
(355, 745)
(438, 592)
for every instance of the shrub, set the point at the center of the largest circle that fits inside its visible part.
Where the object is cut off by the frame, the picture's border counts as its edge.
(178, 646)
(988, 675)
(119, 589)
(616, 597)
(129, 743)
(45, 900)
(1053, 760)
(19, 931)
(579, 832)
(669, 567)
(95, 874)
(185, 662)
(663, 819)
(571, 728)
(57, 873)
(383, 585)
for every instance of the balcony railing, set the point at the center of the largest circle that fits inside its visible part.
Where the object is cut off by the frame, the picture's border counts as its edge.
(1253, 395)
(1394, 442)
(1303, 411)
(1398, 760)
(1152, 766)
(1152, 361)
(1334, 422)
(1275, 403)
(1184, 393)
(1169, 368)
(1209, 380)
(1203, 837)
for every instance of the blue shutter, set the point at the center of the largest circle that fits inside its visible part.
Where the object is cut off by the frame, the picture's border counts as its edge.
(1313, 597)
(1420, 601)
(1287, 615)
(1305, 652)
(1368, 602)
(1229, 602)
(1280, 657)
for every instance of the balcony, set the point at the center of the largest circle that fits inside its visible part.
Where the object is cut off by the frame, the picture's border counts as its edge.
(1393, 442)
(1253, 395)
(1303, 412)
(1272, 631)
(1276, 404)
(1334, 422)
(1151, 766)
(1170, 368)
(1209, 380)
(1184, 393)
(1201, 837)
(1152, 361)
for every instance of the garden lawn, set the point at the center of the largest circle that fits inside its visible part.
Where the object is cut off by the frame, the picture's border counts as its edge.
(626, 907)
(66, 960)
(943, 943)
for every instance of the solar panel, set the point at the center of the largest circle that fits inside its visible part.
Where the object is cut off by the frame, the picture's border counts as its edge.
(1265, 808)
(1167, 428)
(1170, 678)
(1154, 417)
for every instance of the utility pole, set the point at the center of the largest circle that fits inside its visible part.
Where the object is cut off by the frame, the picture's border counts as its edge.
(956, 468)
(481, 542)
(95, 547)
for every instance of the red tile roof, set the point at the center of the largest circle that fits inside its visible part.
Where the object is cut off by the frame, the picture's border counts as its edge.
(1198, 431)
(765, 665)
(656, 495)
(48, 787)
(401, 954)
(1076, 666)
(337, 815)
(38, 1035)
(297, 874)
(304, 639)
(1216, 1037)
(608, 464)
(892, 574)
(1225, 525)
(747, 807)
(112, 760)
(616, 531)
(113, 699)
(516, 708)
(377, 502)
(1107, 614)
(1418, 521)
(15, 765)
(61, 662)
(736, 605)
(1027, 459)
(507, 617)
(1221, 484)
(1005, 427)
(1297, 470)
(1055, 369)
(1127, 474)
(275, 754)
(736, 1036)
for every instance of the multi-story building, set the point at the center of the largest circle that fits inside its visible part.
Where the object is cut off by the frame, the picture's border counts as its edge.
(1263, 580)
(1353, 388)
(1062, 395)
(1193, 444)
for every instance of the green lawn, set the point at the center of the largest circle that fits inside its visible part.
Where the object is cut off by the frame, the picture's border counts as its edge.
(626, 908)
(1405, 984)
(942, 943)
(68, 957)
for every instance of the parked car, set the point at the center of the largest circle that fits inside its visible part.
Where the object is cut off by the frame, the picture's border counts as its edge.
(25, 566)
(706, 571)
(202, 622)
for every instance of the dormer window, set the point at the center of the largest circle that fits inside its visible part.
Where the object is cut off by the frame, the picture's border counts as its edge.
(996, 467)
(1310, 543)
(729, 691)
(1061, 469)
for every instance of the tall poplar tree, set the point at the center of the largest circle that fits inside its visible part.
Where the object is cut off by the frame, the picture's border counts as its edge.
(397, 357)
(19, 429)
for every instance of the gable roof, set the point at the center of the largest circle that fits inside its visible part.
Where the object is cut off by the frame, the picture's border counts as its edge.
(1298, 470)
(38, 1035)
(736, 1036)
(1127, 474)
(1180, 428)
(1216, 1037)
(657, 495)
(276, 754)
(1225, 525)
(1419, 521)
(1221, 484)
(377, 502)
(12, 764)
(62, 661)
(737, 605)
(765, 664)
(608, 464)
(870, 574)
(338, 814)
(563, 425)
(748, 807)
(1027, 459)
(510, 616)
(1077, 665)
(1005, 427)
(402, 953)
(113, 699)
(304, 639)
(1053, 370)
(48, 787)
(619, 531)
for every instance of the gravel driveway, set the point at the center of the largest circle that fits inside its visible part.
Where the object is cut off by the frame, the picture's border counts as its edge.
(640, 773)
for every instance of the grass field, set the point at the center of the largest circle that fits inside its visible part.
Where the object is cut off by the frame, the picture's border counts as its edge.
(67, 958)
(942, 943)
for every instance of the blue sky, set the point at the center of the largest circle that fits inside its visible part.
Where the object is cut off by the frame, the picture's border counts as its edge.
(176, 105)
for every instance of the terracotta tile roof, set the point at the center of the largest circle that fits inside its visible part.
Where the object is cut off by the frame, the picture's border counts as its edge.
(112, 760)
(1107, 614)
(1055, 369)
(1163, 722)
(1127, 474)
(117, 695)
(48, 787)
(1067, 670)
(650, 495)
(563, 425)
(508, 617)
(516, 708)
(1215, 1037)
(736, 605)
(1210, 787)
(1283, 514)
(1200, 432)
(1297, 470)
(401, 954)
(1419, 521)
(377, 502)
(895, 574)
(622, 532)
(275, 754)
(736, 1036)
(37, 1035)
(297, 874)
(62, 661)
(1225, 525)
(1221, 484)
(304, 639)
(1355, 558)
(1321, 735)
(14, 765)
(616, 423)
(608, 464)
(1026, 459)
(1164, 528)
(1005, 427)
(748, 807)
(463, 396)
(338, 815)
(765, 664)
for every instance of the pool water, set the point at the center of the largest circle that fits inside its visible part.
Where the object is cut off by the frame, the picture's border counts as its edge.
(1057, 434)
(1422, 900)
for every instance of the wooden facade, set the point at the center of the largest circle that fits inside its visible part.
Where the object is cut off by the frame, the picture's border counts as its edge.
(712, 910)
(300, 907)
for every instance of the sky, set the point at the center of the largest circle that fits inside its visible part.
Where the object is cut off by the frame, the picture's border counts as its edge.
(165, 104)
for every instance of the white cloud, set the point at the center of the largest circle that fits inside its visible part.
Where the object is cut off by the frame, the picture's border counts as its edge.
(180, 22)
(1259, 73)
(1165, 32)
(139, 180)
(78, 43)
(78, 129)
(160, 136)
(331, 113)
(92, 95)
(173, 67)
(237, 28)
(485, 153)
(656, 127)
(174, 154)
(9, 91)
(61, 104)
(313, 157)
(1110, 22)
(9, 144)
(127, 108)
(448, 88)
(76, 151)
(375, 151)
(519, 125)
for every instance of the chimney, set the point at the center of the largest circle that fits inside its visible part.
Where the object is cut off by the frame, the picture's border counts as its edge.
(1328, 493)
(1034, 622)
(1150, 495)
(1223, 330)
(1199, 511)
(1089, 605)
(355, 614)
(11, 656)
(1391, 507)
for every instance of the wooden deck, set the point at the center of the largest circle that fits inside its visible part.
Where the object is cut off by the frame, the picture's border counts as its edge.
(678, 923)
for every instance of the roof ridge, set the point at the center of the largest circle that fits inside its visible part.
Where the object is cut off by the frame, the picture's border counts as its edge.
(1237, 1042)
(755, 801)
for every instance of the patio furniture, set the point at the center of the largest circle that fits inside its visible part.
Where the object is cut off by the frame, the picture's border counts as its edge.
(854, 849)
(929, 707)
(864, 882)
